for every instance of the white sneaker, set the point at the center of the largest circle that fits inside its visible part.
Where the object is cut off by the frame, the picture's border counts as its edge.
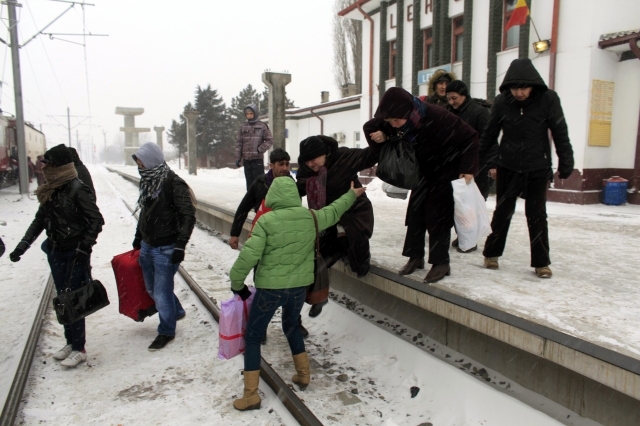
(74, 359)
(63, 353)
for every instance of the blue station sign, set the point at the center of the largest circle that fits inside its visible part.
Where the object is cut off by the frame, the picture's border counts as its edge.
(425, 75)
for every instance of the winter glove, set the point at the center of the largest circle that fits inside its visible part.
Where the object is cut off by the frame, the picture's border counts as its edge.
(83, 253)
(177, 256)
(564, 174)
(244, 293)
(19, 251)
(136, 243)
(237, 163)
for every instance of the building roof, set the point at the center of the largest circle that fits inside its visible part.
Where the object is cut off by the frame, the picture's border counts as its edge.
(619, 34)
(353, 12)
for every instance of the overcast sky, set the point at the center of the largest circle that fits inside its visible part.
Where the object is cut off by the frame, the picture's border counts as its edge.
(155, 55)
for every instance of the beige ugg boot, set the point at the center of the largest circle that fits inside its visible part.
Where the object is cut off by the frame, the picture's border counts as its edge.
(303, 371)
(250, 400)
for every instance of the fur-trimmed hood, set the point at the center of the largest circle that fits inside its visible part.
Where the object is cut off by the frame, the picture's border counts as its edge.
(435, 77)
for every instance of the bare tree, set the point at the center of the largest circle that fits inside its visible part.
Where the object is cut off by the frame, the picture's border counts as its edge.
(347, 48)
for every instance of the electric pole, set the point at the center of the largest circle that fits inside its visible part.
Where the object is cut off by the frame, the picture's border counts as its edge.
(69, 126)
(17, 90)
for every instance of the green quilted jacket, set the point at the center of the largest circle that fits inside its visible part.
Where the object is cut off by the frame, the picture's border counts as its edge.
(282, 242)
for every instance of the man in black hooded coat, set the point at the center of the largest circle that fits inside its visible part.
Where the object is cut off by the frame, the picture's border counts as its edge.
(525, 111)
(83, 173)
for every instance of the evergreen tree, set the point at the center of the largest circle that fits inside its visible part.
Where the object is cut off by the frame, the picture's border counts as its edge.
(212, 132)
(177, 135)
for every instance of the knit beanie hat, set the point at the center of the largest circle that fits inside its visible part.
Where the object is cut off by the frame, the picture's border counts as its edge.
(395, 103)
(458, 87)
(310, 148)
(58, 156)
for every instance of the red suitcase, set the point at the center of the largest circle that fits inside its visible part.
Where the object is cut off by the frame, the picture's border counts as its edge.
(135, 302)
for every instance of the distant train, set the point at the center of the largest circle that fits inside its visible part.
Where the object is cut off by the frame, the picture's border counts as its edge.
(35, 141)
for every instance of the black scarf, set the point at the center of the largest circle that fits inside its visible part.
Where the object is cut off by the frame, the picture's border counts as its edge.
(151, 181)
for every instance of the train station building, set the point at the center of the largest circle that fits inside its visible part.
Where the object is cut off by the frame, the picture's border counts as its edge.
(585, 50)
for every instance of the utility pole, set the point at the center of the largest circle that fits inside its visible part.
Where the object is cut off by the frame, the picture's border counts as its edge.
(17, 90)
(104, 154)
(69, 126)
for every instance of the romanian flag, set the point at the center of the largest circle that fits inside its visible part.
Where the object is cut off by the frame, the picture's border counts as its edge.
(519, 15)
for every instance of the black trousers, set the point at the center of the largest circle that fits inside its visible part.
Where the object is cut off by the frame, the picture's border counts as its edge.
(355, 247)
(414, 241)
(252, 169)
(509, 186)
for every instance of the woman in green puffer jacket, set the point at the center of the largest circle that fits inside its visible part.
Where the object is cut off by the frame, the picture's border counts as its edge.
(282, 244)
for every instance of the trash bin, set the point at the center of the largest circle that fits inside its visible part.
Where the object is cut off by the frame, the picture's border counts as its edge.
(614, 191)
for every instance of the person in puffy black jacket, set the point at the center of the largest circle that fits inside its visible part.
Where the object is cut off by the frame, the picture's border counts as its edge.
(525, 111)
(69, 215)
(167, 218)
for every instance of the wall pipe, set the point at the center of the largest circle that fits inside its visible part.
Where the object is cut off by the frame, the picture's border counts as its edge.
(321, 121)
(368, 18)
(554, 44)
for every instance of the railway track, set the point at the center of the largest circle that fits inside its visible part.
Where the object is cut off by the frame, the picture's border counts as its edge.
(287, 396)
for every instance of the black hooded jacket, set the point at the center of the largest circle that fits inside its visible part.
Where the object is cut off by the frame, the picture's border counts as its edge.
(251, 200)
(83, 173)
(71, 218)
(525, 145)
(169, 218)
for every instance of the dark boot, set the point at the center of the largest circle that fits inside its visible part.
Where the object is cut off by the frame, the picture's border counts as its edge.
(264, 339)
(303, 370)
(467, 251)
(455, 243)
(317, 308)
(250, 399)
(411, 266)
(303, 330)
(437, 273)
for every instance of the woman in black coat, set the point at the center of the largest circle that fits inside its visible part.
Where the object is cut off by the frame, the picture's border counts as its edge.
(325, 174)
(446, 149)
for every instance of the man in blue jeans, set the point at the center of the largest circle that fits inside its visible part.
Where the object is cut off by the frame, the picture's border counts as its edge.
(167, 218)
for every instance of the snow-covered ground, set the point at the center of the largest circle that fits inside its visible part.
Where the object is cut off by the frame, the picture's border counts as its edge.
(593, 295)
(185, 383)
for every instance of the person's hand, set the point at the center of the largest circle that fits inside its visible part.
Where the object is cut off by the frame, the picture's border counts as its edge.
(136, 243)
(467, 178)
(493, 173)
(83, 254)
(237, 163)
(564, 174)
(177, 256)
(244, 293)
(233, 242)
(358, 191)
(378, 137)
(19, 251)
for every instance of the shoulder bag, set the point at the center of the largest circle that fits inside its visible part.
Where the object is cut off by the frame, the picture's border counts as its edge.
(73, 305)
(318, 292)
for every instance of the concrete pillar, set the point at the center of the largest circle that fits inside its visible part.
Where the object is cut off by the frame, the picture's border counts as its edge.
(191, 117)
(159, 131)
(276, 82)
(130, 132)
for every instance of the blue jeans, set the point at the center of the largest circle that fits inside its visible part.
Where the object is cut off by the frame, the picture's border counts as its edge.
(60, 263)
(158, 272)
(264, 305)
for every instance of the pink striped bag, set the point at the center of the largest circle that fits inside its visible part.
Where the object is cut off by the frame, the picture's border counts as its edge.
(234, 314)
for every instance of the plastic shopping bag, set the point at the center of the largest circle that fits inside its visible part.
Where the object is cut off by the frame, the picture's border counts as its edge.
(234, 314)
(398, 165)
(471, 217)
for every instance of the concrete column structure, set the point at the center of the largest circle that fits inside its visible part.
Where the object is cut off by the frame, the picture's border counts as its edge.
(276, 83)
(159, 131)
(130, 130)
(192, 151)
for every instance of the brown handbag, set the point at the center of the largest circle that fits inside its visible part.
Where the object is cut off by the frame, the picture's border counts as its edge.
(318, 292)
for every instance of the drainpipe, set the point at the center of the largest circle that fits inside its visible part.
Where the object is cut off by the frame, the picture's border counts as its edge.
(321, 121)
(368, 18)
(554, 44)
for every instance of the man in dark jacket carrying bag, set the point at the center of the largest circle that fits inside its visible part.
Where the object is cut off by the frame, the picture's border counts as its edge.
(525, 111)
(69, 215)
(167, 218)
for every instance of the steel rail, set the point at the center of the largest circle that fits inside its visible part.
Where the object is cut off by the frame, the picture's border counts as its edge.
(288, 397)
(10, 409)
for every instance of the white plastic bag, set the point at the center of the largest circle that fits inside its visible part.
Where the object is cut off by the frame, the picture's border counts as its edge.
(394, 191)
(471, 217)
